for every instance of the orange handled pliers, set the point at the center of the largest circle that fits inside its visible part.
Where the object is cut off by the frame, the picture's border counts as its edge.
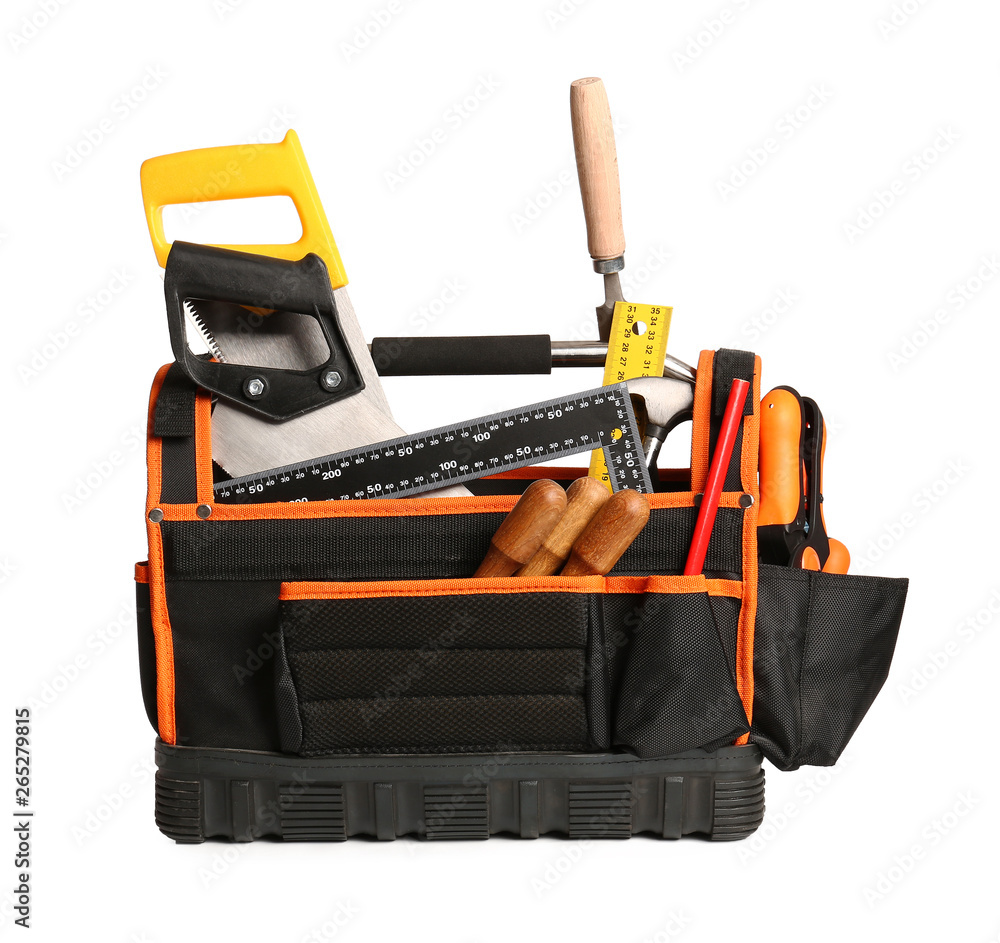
(791, 530)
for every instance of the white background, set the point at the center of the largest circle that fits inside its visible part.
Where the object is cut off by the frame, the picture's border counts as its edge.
(870, 850)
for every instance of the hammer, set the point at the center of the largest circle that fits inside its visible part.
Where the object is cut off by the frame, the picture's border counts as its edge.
(668, 403)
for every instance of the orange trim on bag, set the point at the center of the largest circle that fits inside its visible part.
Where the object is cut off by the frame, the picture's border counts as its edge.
(203, 447)
(142, 572)
(466, 586)
(702, 425)
(462, 586)
(748, 611)
(162, 636)
(394, 507)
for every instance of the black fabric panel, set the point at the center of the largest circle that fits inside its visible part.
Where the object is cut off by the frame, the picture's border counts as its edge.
(507, 620)
(225, 642)
(662, 545)
(823, 643)
(677, 692)
(369, 548)
(599, 677)
(390, 672)
(444, 725)
(173, 414)
(727, 366)
(425, 547)
(147, 652)
(726, 611)
(178, 482)
(286, 701)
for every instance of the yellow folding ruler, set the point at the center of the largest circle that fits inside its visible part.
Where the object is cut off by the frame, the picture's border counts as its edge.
(636, 348)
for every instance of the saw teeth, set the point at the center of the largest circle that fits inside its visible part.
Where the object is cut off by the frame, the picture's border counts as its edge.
(204, 332)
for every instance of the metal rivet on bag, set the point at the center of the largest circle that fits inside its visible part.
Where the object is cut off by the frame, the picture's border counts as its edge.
(697, 499)
(746, 500)
(156, 515)
(331, 380)
(204, 511)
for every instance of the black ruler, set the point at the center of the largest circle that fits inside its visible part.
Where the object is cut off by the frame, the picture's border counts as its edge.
(396, 468)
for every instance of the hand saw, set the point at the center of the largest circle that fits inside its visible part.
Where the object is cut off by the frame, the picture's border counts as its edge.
(244, 440)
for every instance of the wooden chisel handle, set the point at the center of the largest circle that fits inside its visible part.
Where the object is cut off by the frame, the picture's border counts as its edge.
(608, 535)
(530, 521)
(584, 498)
(597, 168)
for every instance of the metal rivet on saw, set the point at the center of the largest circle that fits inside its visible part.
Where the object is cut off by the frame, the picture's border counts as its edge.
(331, 380)
(204, 511)
(254, 387)
(156, 515)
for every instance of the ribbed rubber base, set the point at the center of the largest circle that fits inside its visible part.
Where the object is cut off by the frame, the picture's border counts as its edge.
(240, 795)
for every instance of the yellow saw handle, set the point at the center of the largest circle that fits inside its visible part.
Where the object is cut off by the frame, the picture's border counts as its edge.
(238, 172)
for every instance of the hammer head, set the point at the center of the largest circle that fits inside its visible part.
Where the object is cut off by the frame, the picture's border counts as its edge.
(668, 403)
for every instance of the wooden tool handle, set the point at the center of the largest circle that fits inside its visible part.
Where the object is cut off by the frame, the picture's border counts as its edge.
(530, 521)
(609, 534)
(597, 168)
(584, 498)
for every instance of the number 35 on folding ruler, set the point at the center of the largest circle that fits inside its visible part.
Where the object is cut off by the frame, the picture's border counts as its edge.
(636, 348)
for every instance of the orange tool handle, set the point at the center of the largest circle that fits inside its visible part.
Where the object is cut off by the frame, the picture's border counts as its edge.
(780, 462)
(242, 171)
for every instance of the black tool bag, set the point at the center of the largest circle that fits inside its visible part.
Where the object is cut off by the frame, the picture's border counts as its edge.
(328, 669)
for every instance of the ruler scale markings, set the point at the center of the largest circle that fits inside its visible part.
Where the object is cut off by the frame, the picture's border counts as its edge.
(500, 442)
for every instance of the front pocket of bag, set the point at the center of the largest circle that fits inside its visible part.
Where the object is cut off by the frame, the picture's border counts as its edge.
(822, 647)
(433, 666)
(677, 690)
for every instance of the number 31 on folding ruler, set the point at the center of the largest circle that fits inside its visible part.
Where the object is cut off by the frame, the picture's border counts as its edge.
(636, 348)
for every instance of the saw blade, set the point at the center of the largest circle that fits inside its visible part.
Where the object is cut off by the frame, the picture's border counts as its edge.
(243, 441)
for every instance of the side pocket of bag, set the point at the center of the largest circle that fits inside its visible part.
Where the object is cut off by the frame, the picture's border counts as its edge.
(823, 643)
(147, 644)
(677, 690)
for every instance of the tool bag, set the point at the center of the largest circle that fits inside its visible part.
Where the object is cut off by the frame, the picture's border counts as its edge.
(329, 669)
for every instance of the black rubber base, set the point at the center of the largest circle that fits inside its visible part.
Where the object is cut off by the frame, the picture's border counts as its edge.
(241, 795)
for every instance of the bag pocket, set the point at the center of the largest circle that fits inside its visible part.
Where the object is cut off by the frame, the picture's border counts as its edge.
(823, 643)
(434, 666)
(678, 691)
(147, 643)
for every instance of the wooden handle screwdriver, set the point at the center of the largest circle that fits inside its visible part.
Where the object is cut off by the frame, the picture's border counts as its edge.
(530, 521)
(608, 535)
(584, 498)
